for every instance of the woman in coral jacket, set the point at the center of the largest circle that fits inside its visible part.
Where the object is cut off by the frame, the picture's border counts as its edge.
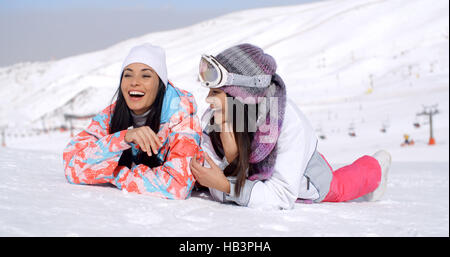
(144, 141)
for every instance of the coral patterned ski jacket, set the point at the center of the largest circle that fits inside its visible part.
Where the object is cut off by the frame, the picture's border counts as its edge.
(92, 156)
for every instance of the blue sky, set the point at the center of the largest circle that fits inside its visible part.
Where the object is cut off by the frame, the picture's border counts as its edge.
(180, 4)
(41, 30)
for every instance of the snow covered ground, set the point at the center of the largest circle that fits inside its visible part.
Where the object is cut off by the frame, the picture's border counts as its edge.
(36, 200)
(346, 63)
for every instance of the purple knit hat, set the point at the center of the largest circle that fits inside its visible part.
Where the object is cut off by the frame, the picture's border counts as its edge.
(250, 60)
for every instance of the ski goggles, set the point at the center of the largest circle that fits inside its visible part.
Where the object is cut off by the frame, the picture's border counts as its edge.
(213, 75)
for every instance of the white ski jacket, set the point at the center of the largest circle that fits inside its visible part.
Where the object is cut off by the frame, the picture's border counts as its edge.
(296, 146)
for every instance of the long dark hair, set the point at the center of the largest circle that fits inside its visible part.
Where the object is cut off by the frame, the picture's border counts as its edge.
(121, 119)
(240, 166)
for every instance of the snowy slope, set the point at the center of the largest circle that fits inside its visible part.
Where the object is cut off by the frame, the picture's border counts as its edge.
(346, 63)
(35, 202)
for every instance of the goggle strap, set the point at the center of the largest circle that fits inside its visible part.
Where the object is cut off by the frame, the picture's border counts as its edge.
(259, 81)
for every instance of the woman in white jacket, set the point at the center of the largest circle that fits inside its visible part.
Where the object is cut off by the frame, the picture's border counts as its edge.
(261, 151)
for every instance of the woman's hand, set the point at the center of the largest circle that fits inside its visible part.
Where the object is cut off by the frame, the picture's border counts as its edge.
(209, 177)
(144, 136)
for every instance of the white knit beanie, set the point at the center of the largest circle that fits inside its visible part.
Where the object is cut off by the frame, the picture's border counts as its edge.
(153, 56)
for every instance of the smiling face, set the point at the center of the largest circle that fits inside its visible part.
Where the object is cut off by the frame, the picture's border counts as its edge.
(217, 102)
(139, 87)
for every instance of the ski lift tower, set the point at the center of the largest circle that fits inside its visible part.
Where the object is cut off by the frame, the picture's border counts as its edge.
(430, 111)
(73, 117)
(351, 130)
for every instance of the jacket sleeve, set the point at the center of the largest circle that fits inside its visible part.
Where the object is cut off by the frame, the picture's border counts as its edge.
(296, 145)
(92, 156)
(173, 179)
